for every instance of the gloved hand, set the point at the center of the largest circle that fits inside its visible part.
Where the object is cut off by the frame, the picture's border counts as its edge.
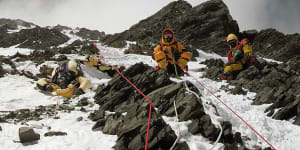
(237, 55)
(175, 53)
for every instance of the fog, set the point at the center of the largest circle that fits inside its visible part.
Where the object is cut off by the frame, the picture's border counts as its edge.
(114, 16)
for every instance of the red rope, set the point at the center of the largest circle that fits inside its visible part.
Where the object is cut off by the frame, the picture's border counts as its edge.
(146, 142)
(56, 106)
(145, 51)
(245, 122)
(128, 81)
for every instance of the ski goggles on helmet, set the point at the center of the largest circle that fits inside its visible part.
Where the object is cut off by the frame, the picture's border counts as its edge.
(232, 43)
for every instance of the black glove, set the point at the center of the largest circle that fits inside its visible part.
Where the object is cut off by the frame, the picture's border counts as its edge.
(176, 53)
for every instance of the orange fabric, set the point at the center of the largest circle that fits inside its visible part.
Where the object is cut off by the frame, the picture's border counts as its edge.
(163, 53)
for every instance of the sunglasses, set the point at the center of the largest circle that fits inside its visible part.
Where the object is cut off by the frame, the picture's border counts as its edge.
(168, 35)
(232, 43)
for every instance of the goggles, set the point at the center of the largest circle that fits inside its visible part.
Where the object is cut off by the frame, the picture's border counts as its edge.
(168, 35)
(232, 43)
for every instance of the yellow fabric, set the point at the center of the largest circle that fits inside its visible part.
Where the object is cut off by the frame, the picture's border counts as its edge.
(43, 81)
(84, 83)
(233, 67)
(231, 37)
(186, 55)
(67, 92)
(104, 68)
(182, 63)
(163, 64)
(247, 52)
(159, 55)
(92, 61)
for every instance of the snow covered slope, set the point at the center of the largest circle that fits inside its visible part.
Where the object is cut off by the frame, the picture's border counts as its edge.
(18, 92)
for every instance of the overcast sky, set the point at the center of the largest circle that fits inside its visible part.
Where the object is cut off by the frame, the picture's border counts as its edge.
(114, 16)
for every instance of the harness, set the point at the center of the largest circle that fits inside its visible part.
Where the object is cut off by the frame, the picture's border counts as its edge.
(176, 57)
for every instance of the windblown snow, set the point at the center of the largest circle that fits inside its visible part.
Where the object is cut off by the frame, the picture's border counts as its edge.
(18, 92)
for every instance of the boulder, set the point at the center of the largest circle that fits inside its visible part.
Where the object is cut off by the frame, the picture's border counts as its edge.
(98, 124)
(112, 124)
(55, 133)
(79, 119)
(83, 102)
(27, 134)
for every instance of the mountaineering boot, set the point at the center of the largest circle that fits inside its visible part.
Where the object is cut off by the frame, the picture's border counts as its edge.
(226, 76)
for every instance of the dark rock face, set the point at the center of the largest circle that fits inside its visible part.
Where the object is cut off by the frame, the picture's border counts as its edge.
(273, 44)
(90, 34)
(119, 97)
(60, 28)
(204, 27)
(13, 24)
(276, 84)
(36, 38)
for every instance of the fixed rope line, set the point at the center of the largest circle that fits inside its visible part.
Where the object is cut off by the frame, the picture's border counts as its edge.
(133, 50)
(178, 129)
(56, 106)
(212, 117)
(238, 116)
(138, 90)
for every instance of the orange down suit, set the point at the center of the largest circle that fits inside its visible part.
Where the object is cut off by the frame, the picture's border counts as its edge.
(164, 53)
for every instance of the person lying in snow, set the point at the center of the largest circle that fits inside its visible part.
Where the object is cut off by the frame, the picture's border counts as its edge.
(67, 79)
(170, 55)
(240, 56)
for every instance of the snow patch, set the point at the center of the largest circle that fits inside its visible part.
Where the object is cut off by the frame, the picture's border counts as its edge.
(13, 50)
(17, 92)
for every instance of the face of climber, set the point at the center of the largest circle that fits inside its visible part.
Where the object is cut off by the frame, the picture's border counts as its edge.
(232, 43)
(168, 36)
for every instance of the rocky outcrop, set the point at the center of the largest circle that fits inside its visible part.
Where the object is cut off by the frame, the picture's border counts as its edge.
(60, 28)
(36, 38)
(13, 24)
(275, 84)
(204, 27)
(273, 44)
(129, 120)
(90, 34)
